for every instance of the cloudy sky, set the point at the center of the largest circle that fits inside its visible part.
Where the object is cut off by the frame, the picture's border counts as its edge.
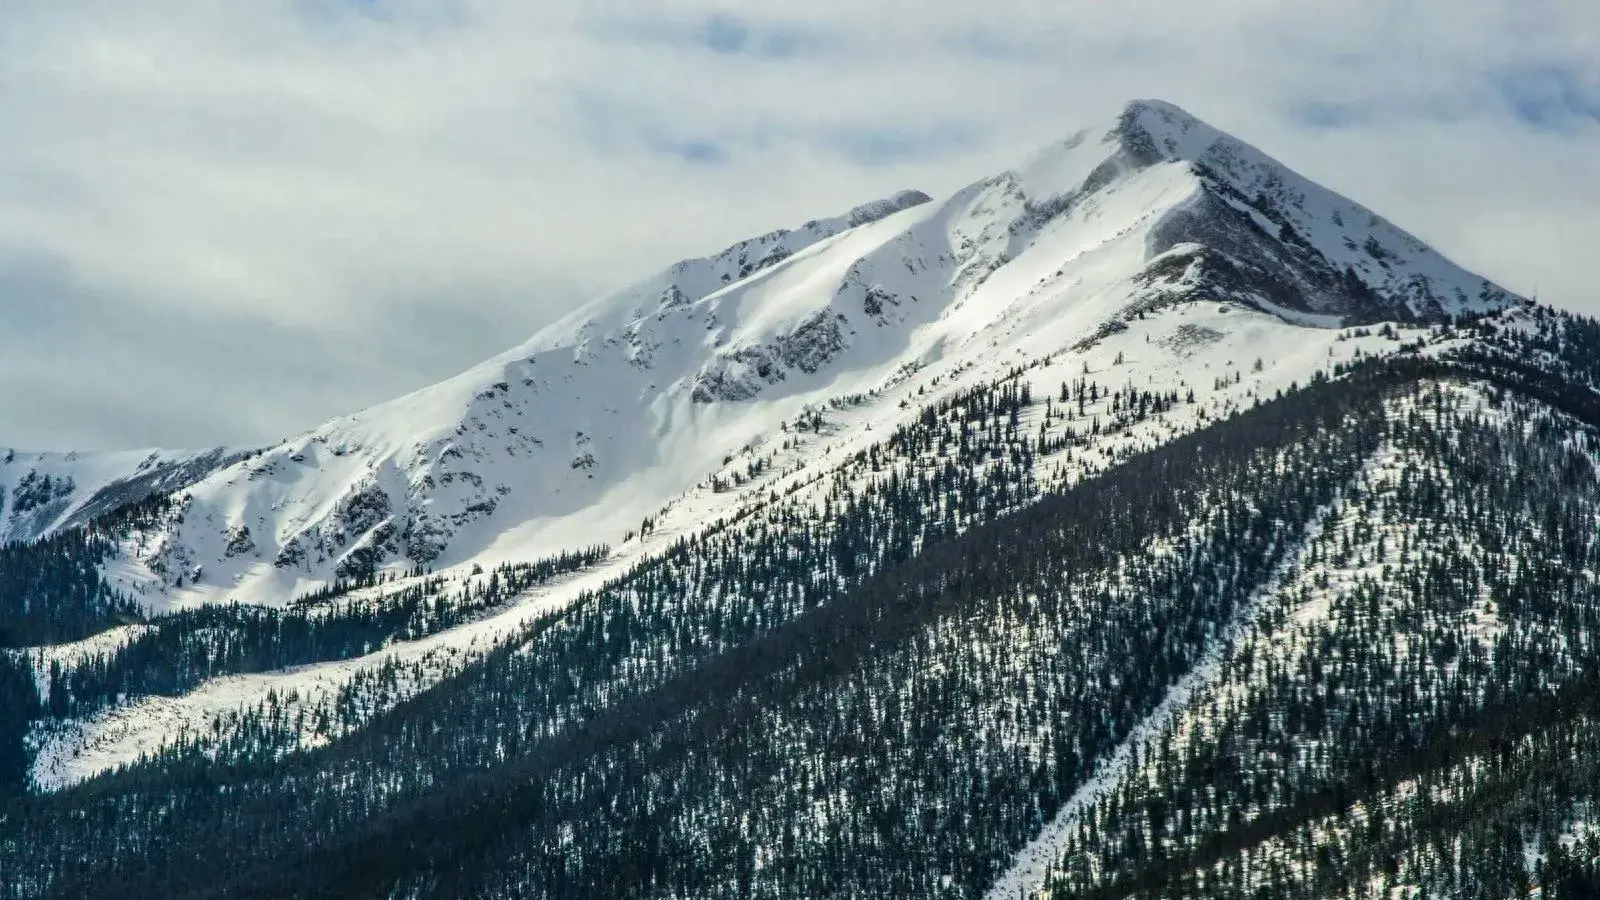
(222, 221)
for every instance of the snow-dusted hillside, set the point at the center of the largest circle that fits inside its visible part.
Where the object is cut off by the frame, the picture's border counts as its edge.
(44, 492)
(603, 418)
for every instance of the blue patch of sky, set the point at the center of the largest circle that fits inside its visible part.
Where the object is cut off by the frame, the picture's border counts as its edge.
(693, 150)
(1325, 114)
(995, 47)
(334, 11)
(1550, 95)
(352, 18)
(883, 146)
(724, 34)
(612, 124)
(734, 35)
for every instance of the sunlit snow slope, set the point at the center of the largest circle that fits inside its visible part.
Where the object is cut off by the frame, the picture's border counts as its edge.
(597, 421)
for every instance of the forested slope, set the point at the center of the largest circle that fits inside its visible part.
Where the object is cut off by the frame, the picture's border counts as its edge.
(1384, 579)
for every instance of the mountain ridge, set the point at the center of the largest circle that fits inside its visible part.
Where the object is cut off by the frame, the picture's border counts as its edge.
(1153, 209)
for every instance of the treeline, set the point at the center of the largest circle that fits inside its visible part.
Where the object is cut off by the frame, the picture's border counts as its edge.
(181, 650)
(176, 652)
(51, 590)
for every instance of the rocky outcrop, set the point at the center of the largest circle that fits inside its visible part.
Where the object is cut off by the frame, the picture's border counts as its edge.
(359, 512)
(36, 491)
(239, 542)
(742, 373)
(155, 477)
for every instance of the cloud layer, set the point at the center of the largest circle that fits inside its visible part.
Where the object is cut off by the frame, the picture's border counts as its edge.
(224, 222)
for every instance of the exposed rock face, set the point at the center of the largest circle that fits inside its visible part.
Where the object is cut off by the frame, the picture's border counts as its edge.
(868, 213)
(742, 373)
(1233, 255)
(1267, 234)
(812, 343)
(360, 512)
(35, 491)
(239, 541)
(361, 535)
(425, 539)
(370, 552)
(154, 478)
(293, 553)
(755, 254)
(36, 500)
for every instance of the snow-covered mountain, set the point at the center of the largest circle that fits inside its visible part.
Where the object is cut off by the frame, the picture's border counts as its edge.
(1145, 520)
(601, 419)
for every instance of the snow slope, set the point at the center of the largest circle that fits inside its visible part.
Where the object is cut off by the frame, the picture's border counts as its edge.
(575, 436)
(44, 492)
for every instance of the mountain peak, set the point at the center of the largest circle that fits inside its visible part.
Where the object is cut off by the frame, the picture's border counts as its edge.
(1156, 130)
(1144, 133)
(1143, 112)
(1153, 105)
(1251, 228)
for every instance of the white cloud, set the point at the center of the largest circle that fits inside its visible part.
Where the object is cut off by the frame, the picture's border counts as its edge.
(226, 221)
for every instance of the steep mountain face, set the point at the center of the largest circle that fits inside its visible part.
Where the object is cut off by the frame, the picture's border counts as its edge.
(1258, 230)
(600, 420)
(575, 435)
(1143, 521)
